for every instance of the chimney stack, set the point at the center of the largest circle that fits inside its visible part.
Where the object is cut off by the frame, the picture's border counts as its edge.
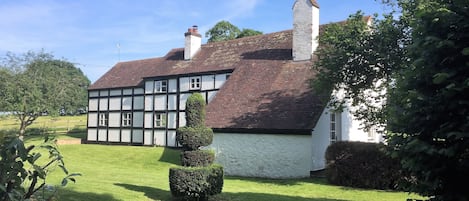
(305, 29)
(192, 43)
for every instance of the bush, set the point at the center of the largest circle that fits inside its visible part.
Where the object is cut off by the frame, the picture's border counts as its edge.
(194, 183)
(191, 138)
(195, 110)
(362, 165)
(197, 158)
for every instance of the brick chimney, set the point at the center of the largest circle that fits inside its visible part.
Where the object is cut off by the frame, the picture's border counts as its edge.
(193, 42)
(305, 29)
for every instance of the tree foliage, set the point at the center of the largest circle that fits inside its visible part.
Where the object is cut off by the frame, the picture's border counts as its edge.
(420, 59)
(37, 83)
(429, 106)
(224, 30)
(22, 174)
(356, 61)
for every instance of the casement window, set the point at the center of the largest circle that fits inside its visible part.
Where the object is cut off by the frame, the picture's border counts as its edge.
(335, 127)
(161, 86)
(194, 83)
(126, 119)
(160, 120)
(371, 133)
(103, 119)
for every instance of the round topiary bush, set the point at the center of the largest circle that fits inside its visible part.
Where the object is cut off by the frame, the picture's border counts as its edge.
(197, 158)
(192, 138)
(196, 183)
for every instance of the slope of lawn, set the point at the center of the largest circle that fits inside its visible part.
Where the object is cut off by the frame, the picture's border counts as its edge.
(141, 174)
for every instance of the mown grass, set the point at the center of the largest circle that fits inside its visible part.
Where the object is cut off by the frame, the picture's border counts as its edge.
(113, 173)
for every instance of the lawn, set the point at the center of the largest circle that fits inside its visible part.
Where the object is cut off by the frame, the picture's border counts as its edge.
(141, 173)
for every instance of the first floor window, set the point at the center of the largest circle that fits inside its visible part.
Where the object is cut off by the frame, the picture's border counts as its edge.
(160, 120)
(194, 83)
(161, 86)
(103, 119)
(126, 119)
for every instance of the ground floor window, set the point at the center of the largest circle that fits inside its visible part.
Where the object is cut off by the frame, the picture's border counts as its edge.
(160, 120)
(126, 119)
(334, 120)
(103, 119)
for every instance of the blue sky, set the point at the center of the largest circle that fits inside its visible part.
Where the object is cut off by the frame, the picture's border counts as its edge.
(87, 32)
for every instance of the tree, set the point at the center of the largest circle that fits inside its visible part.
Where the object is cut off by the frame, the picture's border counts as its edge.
(429, 106)
(36, 83)
(224, 30)
(356, 63)
(421, 58)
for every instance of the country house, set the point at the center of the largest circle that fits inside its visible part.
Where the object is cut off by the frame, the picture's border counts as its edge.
(267, 120)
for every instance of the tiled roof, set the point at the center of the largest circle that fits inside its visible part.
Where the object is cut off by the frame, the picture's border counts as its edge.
(266, 91)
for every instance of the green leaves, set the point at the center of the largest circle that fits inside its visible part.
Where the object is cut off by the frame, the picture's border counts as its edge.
(224, 30)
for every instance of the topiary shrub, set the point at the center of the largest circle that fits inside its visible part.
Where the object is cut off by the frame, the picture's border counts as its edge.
(197, 158)
(196, 183)
(362, 165)
(200, 178)
(191, 138)
(195, 111)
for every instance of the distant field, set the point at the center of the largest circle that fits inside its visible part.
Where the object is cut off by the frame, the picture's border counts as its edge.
(54, 125)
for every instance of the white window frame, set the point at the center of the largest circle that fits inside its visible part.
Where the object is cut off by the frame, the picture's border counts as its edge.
(127, 119)
(333, 127)
(371, 133)
(160, 120)
(161, 86)
(103, 119)
(195, 83)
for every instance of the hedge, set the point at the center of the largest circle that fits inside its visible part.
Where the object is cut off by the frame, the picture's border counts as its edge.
(362, 165)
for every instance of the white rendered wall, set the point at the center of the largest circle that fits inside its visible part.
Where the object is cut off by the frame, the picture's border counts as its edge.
(263, 155)
(320, 141)
(305, 29)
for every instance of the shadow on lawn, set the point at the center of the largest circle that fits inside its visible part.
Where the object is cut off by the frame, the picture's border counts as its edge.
(171, 155)
(69, 195)
(284, 182)
(159, 194)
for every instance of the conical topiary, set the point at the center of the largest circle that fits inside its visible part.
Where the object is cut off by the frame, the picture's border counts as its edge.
(198, 178)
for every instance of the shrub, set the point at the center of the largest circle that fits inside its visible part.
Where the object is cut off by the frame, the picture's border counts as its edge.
(191, 138)
(195, 110)
(194, 183)
(197, 158)
(362, 165)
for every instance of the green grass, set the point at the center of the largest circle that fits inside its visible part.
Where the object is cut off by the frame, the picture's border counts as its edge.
(134, 173)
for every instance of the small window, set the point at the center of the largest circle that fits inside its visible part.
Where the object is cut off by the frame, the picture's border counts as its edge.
(126, 119)
(160, 120)
(372, 133)
(161, 86)
(228, 76)
(103, 119)
(333, 130)
(194, 83)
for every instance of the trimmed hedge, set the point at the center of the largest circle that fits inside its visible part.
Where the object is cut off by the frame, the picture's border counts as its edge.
(362, 165)
(193, 183)
(197, 158)
(195, 110)
(191, 138)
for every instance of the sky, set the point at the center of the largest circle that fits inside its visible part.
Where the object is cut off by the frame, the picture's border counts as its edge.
(96, 34)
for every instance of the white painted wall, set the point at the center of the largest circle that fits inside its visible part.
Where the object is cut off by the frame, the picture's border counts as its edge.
(114, 135)
(127, 103)
(172, 86)
(114, 119)
(148, 119)
(149, 103)
(160, 102)
(305, 29)
(94, 93)
(320, 141)
(91, 134)
(103, 104)
(115, 92)
(220, 80)
(115, 103)
(172, 102)
(263, 155)
(125, 135)
(92, 119)
(137, 119)
(184, 84)
(138, 103)
(93, 105)
(137, 136)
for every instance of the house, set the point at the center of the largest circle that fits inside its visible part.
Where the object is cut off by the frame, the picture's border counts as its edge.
(267, 120)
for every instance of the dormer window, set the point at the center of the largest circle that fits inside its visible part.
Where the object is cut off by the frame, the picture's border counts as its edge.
(195, 83)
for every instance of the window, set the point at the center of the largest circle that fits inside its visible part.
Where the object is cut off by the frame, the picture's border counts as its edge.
(160, 120)
(161, 86)
(103, 119)
(194, 83)
(126, 119)
(371, 133)
(228, 75)
(333, 130)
